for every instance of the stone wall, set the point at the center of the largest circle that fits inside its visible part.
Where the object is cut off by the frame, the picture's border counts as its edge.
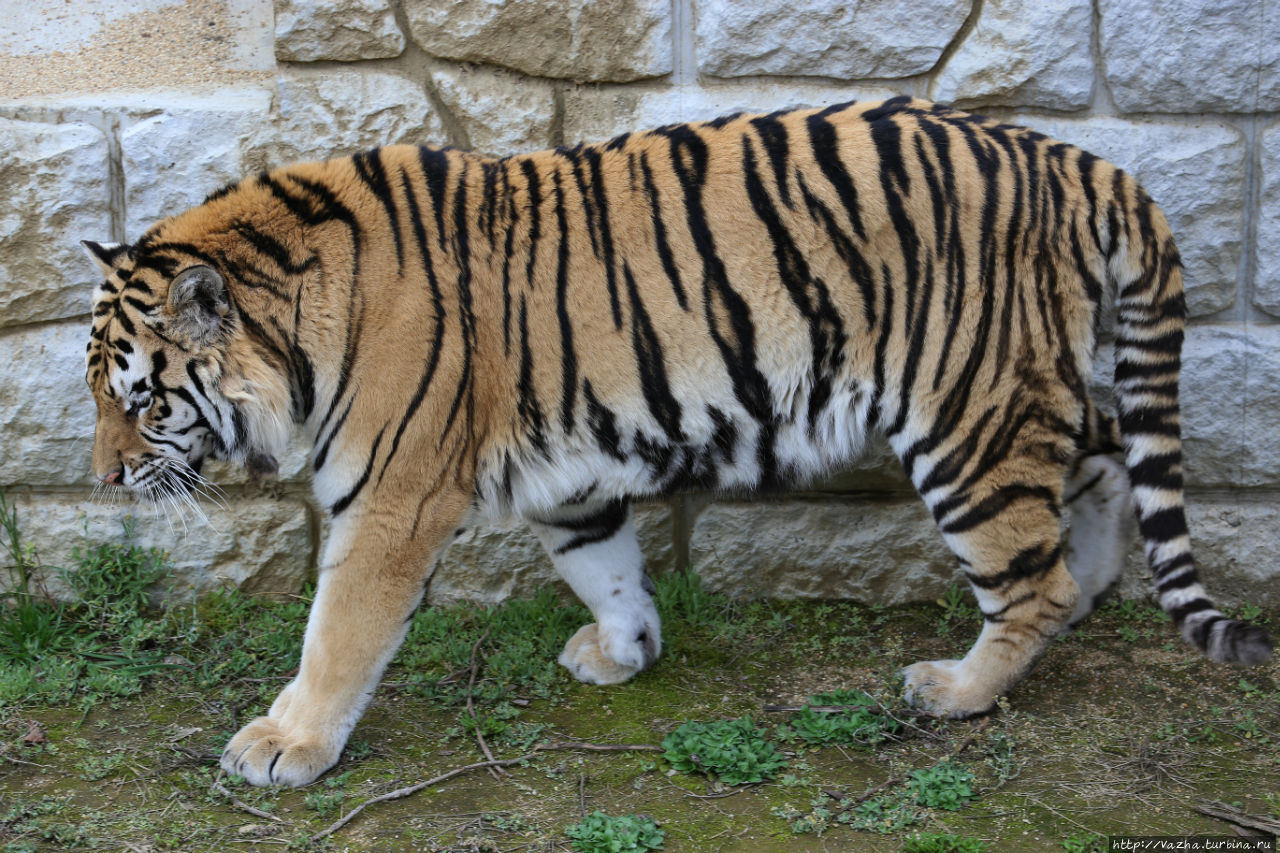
(109, 119)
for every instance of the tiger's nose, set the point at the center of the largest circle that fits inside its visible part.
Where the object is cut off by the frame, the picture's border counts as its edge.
(112, 478)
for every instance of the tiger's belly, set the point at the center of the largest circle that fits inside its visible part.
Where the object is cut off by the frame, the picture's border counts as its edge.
(716, 444)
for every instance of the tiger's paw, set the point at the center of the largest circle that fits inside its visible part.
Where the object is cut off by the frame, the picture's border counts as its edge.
(266, 753)
(938, 687)
(602, 656)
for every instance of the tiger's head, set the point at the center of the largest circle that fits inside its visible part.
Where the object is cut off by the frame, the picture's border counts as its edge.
(176, 378)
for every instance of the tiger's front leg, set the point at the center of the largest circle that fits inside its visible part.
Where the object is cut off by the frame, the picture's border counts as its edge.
(373, 576)
(594, 548)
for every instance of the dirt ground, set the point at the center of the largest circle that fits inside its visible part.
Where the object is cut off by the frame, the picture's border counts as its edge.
(1122, 730)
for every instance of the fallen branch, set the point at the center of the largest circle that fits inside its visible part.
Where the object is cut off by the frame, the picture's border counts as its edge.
(1232, 815)
(400, 793)
(495, 772)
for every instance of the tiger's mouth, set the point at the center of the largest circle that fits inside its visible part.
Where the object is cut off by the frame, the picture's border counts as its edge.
(172, 484)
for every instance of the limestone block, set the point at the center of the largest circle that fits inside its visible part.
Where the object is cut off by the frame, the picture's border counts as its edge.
(341, 30)
(882, 551)
(319, 115)
(1266, 290)
(259, 545)
(595, 113)
(490, 564)
(46, 410)
(1023, 53)
(54, 193)
(1196, 173)
(1188, 56)
(501, 112)
(614, 40)
(184, 152)
(818, 38)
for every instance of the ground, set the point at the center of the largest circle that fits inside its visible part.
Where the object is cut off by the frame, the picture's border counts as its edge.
(1123, 730)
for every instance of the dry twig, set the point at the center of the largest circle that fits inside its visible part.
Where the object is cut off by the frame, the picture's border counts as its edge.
(494, 771)
(400, 793)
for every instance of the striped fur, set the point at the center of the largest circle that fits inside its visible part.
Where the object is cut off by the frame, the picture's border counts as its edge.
(728, 305)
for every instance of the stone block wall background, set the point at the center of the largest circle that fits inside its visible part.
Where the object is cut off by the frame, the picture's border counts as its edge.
(114, 115)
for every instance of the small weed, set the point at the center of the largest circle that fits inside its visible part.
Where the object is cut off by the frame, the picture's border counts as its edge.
(600, 833)
(1273, 804)
(884, 814)
(1085, 842)
(1250, 689)
(679, 596)
(946, 785)
(97, 767)
(929, 842)
(331, 795)
(1000, 758)
(735, 752)
(1248, 611)
(861, 725)
(817, 820)
(956, 609)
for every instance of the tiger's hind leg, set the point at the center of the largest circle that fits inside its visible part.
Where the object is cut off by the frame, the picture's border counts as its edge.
(594, 548)
(1100, 506)
(999, 511)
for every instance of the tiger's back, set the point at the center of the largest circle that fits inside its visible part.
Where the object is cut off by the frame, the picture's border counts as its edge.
(731, 304)
(755, 294)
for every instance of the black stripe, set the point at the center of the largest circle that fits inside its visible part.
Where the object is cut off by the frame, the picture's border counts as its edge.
(535, 219)
(1032, 562)
(991, 506)
(345, 500)
(462, 245)
(660, 233)
(773, 136)
(606, 233)
(274, 249)
(438, 333)
(603, 424)
(568, 358)
(527, 395)
(736, 342)
(650, 363)
(435, 168)
(808, 293)
(323, 453)
(826, 150)
(1163, 525)
(370, 169)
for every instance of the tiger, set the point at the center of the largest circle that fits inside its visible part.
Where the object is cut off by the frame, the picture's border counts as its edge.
(724, 306)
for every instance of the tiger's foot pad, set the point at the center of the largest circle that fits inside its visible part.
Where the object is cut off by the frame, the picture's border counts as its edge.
(937, 687)
(265, 754)
(584, 657)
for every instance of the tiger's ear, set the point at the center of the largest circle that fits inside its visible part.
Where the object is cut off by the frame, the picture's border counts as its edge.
(106, 255)
(199, 302)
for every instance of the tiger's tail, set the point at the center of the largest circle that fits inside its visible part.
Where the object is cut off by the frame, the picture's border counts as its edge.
(1146, 271)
